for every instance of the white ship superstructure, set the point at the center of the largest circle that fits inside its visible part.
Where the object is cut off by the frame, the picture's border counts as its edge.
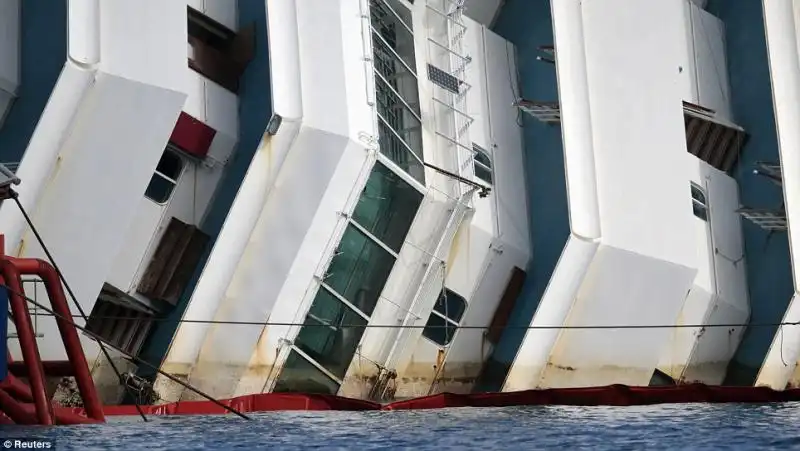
(781, 24)
(655, 234)
(374, 237)
(388, 198)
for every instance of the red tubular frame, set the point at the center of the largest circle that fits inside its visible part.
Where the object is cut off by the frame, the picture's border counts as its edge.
(27, 341)
(72, 343)
(11, 270)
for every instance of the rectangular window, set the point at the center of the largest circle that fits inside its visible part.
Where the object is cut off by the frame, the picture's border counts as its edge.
(165, 177)
(450, 305)
(387, 207)
(439, 330)
(217, 52)
(396, 85)
(699, 206)
(359, 270)
(445, 318)
(301, 376)
(357, 273)
(482, 163)
(331, 333)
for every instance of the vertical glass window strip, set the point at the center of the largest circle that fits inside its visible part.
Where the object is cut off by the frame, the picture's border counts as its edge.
(699, 205)
(482, 164)
(359, 270)
(397, 93)
(298, 375)
(357, 273)
(387, 207)
(333, 333)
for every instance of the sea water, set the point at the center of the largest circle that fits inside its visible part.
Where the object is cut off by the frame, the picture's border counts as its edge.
(692, 426)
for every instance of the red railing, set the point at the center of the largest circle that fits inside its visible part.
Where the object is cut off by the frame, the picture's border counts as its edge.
(15, 396)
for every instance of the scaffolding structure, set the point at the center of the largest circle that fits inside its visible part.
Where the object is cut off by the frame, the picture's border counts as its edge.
(447, 70)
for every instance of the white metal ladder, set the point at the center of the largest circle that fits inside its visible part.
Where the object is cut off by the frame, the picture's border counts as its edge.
(451, 118)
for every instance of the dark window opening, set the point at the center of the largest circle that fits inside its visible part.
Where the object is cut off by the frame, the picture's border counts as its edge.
(397, 95)
(445, 318)
(166, 176)
(217, 52)
(482, 164)
(699, 205)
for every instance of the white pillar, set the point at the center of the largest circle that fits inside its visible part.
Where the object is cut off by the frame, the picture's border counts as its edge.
(260, 178)
(781, 32)
(83, 39)
(576, 121)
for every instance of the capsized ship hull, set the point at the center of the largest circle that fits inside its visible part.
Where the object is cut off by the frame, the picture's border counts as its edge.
(364, 198)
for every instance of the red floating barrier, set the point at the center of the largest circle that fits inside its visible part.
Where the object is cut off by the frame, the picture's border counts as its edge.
(611, 395)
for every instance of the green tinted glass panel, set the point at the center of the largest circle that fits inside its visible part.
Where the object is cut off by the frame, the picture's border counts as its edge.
(359, 270)
(387, 207)
(331, 334)
(300, 376)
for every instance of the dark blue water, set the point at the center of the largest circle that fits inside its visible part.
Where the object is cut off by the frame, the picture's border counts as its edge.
(597, 428)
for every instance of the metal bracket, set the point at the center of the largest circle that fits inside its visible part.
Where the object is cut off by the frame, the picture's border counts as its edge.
(7, 178)
(38, 335)
(483, 190)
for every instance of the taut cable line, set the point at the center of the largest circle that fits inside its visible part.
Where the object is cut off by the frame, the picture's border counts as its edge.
(127, 354)
(395, 326)
(13, 195)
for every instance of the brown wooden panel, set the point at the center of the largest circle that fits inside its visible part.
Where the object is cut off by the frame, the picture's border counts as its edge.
(214, 64)
(175, 258)
(188, 264)
(503, 311)
(243, 46)
(149, 282)
(174, 262)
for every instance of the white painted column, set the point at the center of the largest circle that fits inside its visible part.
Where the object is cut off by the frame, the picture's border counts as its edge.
(236, 232)
(576, 121)
(576, 128)
(41, 155)
(781, 31)
(83, 42)
(554, 308)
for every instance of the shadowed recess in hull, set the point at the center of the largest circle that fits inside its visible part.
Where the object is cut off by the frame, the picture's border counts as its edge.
(527, 24)
(768, 267)
(43, 51)
(255, 109)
